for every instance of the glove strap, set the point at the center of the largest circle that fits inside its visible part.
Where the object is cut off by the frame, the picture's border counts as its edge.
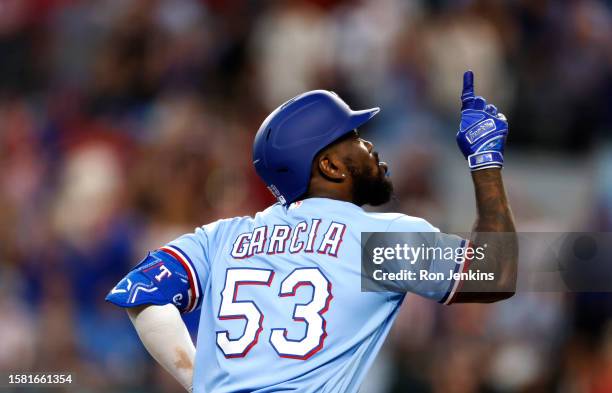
(485, 159)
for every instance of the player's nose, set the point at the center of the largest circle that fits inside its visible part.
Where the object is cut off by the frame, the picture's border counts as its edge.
(369, 145)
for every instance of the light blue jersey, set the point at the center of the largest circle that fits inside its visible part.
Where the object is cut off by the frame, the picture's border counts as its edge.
(281, 301)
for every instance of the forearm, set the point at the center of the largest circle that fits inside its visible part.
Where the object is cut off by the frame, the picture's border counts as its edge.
(165, 336)
(492, 208)
(494, 226)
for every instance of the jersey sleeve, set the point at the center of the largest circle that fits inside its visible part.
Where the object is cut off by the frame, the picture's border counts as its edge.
(158, 279)
(191, 250)
(443, 256)
(175, 273)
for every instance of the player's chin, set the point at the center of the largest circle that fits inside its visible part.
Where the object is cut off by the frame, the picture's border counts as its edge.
(383, 192)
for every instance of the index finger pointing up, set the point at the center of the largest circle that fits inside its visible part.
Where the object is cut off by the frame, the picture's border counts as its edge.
(468, 85)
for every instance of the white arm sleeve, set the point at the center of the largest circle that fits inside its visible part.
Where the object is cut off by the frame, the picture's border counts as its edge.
(164, 334)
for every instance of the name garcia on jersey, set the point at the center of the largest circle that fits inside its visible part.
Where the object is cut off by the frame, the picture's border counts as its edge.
(302, 237)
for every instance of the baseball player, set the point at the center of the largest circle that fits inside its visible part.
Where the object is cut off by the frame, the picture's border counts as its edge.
(280, 292)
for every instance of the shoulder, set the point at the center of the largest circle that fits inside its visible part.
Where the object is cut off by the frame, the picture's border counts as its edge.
(398, 222)
(225, 225)
(228, 224)
(204, 241)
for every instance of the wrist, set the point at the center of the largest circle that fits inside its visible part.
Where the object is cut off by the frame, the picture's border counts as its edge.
(485, 159)
(486, 176)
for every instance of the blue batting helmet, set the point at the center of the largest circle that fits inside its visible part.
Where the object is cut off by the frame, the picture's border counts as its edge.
(292, 135)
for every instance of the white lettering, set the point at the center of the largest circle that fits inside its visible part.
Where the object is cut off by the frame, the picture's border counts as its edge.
(280, 235)
(164, 272)
(332, 239)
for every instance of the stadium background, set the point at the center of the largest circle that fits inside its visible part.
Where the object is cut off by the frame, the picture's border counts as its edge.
(125, 123)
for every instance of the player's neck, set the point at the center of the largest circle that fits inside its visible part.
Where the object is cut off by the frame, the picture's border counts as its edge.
(331, 193)
(320, 187)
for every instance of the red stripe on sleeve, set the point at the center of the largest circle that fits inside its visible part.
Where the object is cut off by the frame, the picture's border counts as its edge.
(187, 268)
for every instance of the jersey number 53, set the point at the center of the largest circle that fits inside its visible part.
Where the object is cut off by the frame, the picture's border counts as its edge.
(310, 313)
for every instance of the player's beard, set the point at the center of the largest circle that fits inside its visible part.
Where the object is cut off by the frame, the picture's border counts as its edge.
(372, 187)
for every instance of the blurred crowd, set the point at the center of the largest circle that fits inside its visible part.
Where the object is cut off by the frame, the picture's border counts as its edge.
(124, 123)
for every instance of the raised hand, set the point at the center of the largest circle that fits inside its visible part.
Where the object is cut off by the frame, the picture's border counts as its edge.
(482, 132)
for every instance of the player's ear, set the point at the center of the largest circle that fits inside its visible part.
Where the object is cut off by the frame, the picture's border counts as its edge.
(331, 167)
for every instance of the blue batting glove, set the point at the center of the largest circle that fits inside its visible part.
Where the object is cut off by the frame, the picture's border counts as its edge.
(482, 133)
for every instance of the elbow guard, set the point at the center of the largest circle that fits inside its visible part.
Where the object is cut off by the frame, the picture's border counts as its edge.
(158, 279)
